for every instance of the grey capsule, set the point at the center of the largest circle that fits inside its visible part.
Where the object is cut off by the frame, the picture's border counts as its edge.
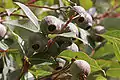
(79, 68)
(51, 24)
(84, 22)
(99, 29)
(37, 42)
(73, 47)
(79, 9)
(83, 19)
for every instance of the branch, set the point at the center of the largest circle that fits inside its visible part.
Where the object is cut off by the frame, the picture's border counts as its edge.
(32, 5)
(106, 14)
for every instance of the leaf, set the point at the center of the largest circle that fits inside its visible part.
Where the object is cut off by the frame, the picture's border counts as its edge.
(86, 3)
(11, 10)
(69, 34)
(104, 63)
(100, 78)
(114, 37)
(19, 40)
(111, 23)
(3, 46)
(113, 72)
(14, 75)
(8, 3)
(80, 55)
(73, 35)
(29, 76)
(30, 14)
(84, 35)
(101, 5)
(106, 52)
(23, 23)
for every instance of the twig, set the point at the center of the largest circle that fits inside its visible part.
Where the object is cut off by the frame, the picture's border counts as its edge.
(24, 67)
(32, 5)
(57, 72)
(70, 19)
(32, 1)
(106, 14)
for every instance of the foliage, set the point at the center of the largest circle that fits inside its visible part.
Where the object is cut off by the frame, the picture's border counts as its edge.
(43, 38)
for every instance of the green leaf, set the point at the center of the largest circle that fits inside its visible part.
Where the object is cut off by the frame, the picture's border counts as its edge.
(19, 40)
(73, 35)
(11, 10)
(114, 38)
(100, 78)
(29, 14)
(104, 63)
(101, 5)
(111, 23)
(13, 75)
(3, 46)
(86, 4)
(80, 55)
(106, 52)
(113, 72)
(23, 23)
(8, 3)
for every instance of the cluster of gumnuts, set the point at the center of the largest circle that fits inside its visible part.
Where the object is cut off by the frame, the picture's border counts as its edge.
(39, 44)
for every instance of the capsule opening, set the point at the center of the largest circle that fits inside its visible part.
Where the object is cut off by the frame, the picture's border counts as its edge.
(81, 19)
(35, 46)
(51, 28)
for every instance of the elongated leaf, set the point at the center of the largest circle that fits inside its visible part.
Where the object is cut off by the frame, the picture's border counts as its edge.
(9, 11)
(86, 3)
(80, 55)
(23, 23)
(113, 72)
(73, 35)
(3, 46)
(111, 23)
(30, 14)
(114, 38)
(100, 78)
(19, 40)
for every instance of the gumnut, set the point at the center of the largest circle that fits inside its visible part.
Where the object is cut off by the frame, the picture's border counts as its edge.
(80, 69)
(83, 19)
(99, 29)
(51, 24)
(37, 42)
